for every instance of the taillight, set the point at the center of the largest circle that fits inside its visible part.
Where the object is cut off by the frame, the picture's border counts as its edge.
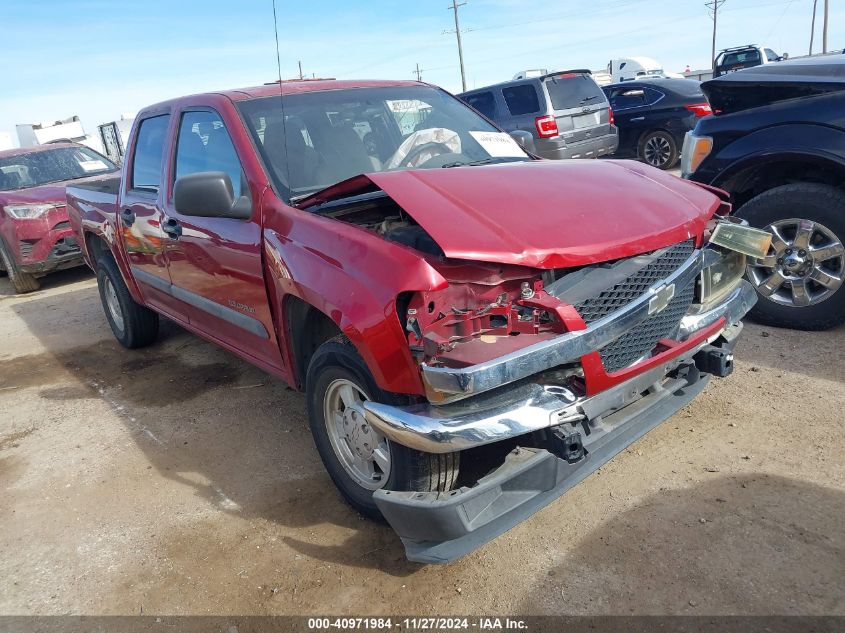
(610, 115)
(699, 109)
(546, 126)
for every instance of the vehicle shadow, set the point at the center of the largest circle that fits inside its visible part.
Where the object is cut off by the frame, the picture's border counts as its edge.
(751, 545)
(53, 280)
(205, 419)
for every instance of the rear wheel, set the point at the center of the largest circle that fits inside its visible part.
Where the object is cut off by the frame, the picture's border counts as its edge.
(21, 281)
(658, 149)
(357, 457)
(132, 324)
(800, 281)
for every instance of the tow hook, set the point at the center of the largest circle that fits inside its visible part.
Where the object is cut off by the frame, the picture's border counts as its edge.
(567, 445)
(715, 360)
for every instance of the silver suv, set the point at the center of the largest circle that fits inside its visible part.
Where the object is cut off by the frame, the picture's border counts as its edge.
(566, 112)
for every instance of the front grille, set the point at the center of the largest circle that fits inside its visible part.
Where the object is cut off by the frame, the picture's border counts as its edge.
(642, 338)
(623, 293)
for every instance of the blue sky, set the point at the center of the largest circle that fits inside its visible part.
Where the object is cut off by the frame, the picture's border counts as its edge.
(101, 58)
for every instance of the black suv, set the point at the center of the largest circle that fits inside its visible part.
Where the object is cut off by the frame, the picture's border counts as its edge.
(777, 144)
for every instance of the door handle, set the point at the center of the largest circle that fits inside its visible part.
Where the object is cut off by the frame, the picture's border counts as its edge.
(172, 228)
(128, 217)
(638, 118)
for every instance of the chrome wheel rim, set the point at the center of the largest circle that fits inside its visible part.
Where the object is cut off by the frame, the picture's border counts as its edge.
(804, 266)
(362, 451)
(657, 151)
(113, 304)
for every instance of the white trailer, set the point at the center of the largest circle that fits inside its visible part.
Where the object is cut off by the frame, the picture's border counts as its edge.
(70, 129)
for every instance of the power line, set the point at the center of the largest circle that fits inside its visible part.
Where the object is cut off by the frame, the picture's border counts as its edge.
(813, 26)
(454, 8)
(824, 28)
(714, 5)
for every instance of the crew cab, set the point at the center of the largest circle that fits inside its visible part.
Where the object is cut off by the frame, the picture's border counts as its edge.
(777, 145)
(476, 330)
(35, 235)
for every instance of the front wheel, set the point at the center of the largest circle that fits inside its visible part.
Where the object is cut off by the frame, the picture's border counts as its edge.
(21, 281)
(357, 457)
(799, 282)
(658, 149)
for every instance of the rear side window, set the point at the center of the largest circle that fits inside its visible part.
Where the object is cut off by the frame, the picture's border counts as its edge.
(573, 90)
(521, 99)
(205, 145)
(149, 149)
(748, 56)
(483, 102)
(623, 98)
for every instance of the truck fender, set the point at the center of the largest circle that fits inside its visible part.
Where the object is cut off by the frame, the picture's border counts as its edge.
(353, 277)
(802, 142)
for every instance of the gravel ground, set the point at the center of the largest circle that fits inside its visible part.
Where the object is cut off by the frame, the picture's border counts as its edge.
(180, 480)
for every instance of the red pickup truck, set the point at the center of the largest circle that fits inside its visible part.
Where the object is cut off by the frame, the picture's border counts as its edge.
(35, 236)
(476, 329)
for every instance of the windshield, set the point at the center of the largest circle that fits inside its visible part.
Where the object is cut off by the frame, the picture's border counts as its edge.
(54, 165)
(573, 90)
(321, 138)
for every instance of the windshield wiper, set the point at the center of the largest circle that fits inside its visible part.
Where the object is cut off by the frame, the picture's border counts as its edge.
(485, 161)
(590, 98)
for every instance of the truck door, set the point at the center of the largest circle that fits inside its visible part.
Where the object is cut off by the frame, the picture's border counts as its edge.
(139, 216)
(216, 263)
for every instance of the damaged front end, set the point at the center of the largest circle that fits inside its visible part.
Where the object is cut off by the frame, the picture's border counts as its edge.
(559, 367)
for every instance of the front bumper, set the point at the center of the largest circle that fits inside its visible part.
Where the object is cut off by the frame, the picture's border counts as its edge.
(64, 253)
(437, 527)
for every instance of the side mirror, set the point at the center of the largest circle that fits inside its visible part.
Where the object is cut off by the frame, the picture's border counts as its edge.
(209, 194)
(525, 140)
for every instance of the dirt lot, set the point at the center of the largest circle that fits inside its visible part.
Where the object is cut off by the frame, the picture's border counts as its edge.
(181, 480)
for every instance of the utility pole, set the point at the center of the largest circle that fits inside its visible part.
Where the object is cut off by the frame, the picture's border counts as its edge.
(418, 73)
(813, 26)
(454, 7)
(714, 5)
(824, 27)
(301, 77)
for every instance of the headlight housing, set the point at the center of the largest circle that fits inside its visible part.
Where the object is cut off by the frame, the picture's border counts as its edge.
(695, 150)
(28, 211)
(722, 276)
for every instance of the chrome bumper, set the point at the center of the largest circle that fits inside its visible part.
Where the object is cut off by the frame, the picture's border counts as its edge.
(530, 405)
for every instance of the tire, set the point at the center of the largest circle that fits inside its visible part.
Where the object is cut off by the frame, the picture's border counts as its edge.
(336, 362)
(132, 324)
(658, 149)
(21, 281)
(780, 210)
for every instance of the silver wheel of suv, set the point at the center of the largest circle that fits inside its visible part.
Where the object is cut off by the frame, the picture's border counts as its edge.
(805, 264)
(362, 451)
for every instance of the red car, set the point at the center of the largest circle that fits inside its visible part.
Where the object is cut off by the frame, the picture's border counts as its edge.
(35, 235)
(476, 330)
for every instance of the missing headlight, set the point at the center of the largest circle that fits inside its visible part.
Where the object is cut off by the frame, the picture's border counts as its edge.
(722, 276)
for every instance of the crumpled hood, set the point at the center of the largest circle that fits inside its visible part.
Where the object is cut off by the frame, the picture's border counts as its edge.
(544, 214)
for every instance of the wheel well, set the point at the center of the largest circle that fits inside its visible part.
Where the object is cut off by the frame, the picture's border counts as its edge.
(307, 329)
(96, 246)
(762, 176)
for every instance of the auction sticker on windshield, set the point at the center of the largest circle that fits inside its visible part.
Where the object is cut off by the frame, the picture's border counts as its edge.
(92, 165)
(498, 144)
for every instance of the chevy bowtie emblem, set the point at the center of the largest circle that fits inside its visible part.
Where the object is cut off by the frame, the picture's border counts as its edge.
(662, 297)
